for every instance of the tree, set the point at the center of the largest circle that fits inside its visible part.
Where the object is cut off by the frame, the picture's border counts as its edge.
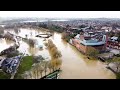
(45, 65)
(92, 52)
(49, 66)
(33, 70)
(91, 27)
(53, 64)
(16, 30)
(55, 61)
(9, 36)
(40, 68)
(54, 49)
(58, 63)
(56, 54)
(111, 34)
(50, 44)
(31, 42)
(64, 35)
(67, 26)
(1, 30)
(82, 26)
(46, 44)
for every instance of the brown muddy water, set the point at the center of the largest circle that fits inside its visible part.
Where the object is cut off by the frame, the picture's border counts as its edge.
(74, 64)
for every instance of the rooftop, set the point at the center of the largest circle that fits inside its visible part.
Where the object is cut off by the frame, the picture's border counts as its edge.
(91, 38)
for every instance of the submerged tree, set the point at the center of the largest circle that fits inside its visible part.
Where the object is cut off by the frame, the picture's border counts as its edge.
(55, 64)
(45, 65)
(31, 42)
(56, 54)
(16, 30)
(50, 66)
(41, 69)
(9, 36)
(58, 63)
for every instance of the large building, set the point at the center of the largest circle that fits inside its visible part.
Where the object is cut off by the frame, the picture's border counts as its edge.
(89, 39)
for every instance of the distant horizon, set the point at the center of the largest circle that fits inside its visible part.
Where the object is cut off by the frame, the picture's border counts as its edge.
(60, 14)
(58, 18)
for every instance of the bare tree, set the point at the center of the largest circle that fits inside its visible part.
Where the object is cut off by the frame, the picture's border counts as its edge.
(41, 69)
(50, 66)
(58, 63)
(45, 63)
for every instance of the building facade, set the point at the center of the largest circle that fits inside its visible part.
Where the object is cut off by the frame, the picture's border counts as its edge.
(91, 39)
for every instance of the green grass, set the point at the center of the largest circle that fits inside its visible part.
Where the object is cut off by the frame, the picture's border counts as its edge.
(26, 65)
(4, 75)
(114, 59)
(118, 76)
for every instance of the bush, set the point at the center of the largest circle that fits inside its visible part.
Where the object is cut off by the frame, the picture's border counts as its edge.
(37, 59)
(64, 35)
(31, 42)
(12, 54)
(92, 52)
(56, 28)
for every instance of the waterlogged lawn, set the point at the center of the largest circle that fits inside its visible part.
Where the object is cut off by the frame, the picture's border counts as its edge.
(25, 65)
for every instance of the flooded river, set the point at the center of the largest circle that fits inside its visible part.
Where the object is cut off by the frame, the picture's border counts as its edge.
(74, 64)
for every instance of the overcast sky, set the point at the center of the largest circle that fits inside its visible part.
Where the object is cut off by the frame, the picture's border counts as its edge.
(61, 14)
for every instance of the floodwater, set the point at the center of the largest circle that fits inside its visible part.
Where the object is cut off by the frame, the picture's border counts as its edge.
(74, 64)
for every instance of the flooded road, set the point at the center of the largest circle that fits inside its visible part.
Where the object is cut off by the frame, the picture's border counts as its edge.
(74, 64)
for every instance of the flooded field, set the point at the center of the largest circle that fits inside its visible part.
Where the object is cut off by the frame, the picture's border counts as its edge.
(74, 64)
